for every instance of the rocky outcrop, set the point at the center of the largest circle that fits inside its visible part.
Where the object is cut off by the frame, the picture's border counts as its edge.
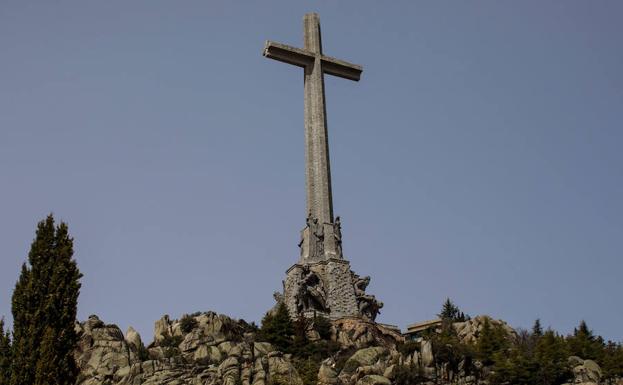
(470, 330)
(585, 372)
(216, 350)
(212, 349)
(355, 333)
(102, 352)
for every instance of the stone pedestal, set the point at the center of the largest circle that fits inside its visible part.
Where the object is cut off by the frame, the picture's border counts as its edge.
(319, 243)
(322, 283)
(322, 288)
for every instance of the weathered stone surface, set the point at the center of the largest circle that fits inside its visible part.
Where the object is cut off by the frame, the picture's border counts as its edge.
(281, 371)
(586, 372)
(214, 352)
(390, 371)
(357, 333)
(133, 338)
(324, 288)
(470, 330)
(374, 379)
(206, 354)
(364, 357)
(427, 354)
(327, 375)
(261, 349)
(106, 357)
(101, 351)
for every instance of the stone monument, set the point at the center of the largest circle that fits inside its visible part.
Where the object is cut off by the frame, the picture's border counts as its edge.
(321, 282)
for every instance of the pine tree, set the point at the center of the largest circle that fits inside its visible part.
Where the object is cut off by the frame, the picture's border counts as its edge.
(451, 313)
(492, 340)
(44, 308)
(551, 354)
(5, 355)
(612, 364)
(278, 328)
(537, 329)
(585, 344)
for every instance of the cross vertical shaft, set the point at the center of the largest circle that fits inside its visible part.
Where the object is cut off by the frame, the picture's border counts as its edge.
(321, 238)
(318, 170)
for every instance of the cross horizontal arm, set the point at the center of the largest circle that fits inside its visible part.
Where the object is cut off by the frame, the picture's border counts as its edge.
(341, 68)
(300, 57)
(287, 54)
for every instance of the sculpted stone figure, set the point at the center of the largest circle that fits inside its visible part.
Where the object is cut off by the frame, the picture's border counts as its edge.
(369, 306)
(318, 232)
(315, 233)
(278, 297)
(360, 284)
(337, 234)
(311, 293)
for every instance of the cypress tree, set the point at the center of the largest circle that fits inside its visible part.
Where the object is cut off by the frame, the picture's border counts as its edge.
(5, 355)
(44, 306)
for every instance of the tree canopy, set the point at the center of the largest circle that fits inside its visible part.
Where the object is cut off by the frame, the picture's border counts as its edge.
(44, 306)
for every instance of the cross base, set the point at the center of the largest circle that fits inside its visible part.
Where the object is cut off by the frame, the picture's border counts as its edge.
(328, 288)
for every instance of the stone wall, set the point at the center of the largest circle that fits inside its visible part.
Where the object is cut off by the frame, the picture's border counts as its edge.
(333, 296)
(341, 293)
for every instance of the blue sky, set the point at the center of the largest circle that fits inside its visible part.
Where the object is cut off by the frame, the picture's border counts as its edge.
(478, 158)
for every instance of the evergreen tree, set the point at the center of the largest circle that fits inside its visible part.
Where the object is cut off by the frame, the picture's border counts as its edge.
(537, 329)
(5, 355)
(451, 313)
(585, 344)
(278, 328)
(612, 363)
(519, 368)
(450, 351)
(517, 365)
(323, 326)
(551, 354)
(44, 308)
(492, 340)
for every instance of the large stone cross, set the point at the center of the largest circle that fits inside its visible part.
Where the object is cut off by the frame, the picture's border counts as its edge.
(317, 170)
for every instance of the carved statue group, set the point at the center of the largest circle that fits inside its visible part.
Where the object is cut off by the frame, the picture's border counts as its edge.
(311, 294)
(369, 306)
(308, 291)
(316, 231)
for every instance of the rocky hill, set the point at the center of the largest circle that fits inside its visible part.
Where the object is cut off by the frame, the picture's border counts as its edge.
(212, 349)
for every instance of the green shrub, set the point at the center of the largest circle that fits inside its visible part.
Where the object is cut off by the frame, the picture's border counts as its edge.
(188, 323)
(171, 341)
(323, 326)
(492, 340)
(449, 350)
(248, 327)
(408, 347)
(409, 375)
(171, 352)
(143, 353)
(277, 328)
(308, 370)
